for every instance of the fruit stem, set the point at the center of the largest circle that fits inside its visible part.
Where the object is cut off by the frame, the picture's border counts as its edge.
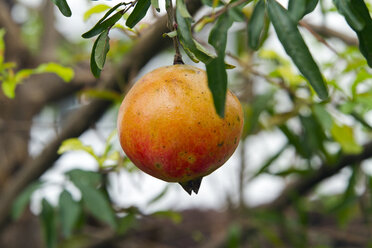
(172, 25)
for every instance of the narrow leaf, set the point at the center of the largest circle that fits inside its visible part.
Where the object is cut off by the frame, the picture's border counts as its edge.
(90, 178)
(296, 48)
(49, 224)
(102, 48)
(63, 7)
(187, 41)
(69, 211)
(297, 9)
(346, 8)
(93, 64)
(102, 26)
(216, 71)
(181, 7)
(138, 12)
(359, 19)
(256, 25)
(99, 205)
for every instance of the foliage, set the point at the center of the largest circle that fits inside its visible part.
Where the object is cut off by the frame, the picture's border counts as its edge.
(325, 117)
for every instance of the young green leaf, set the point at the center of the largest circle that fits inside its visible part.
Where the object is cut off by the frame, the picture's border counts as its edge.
(344, 135)
(95, 10)
(74, 144)
(69, 211)
(66, 73)
(49, 224)
(102, 26)
(138, 12)
(299, 8)
(102, 48)
(63, 7)
(23, 199)
(293, 43)
(216, 71)
(256, 25)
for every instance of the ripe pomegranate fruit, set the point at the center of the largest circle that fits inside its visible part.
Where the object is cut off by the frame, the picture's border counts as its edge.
(168, 126)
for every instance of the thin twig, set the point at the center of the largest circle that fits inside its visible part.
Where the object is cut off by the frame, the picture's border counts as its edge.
(172, 25)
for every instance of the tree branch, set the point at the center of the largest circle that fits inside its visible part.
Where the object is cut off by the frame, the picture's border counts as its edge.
(304, 185)
(332, 33)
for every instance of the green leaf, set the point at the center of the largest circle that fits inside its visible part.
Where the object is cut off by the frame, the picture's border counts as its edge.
(216, 72)
(138, 12)
(102, 26)
(8, 86)
(187, 41)
(357, 15)
(63, 7)
(297, 9)
(89, 178)
(353, 18)
(102, 48)
(95, 10)
(49, 224)
(66, 73)
(98, 204)
(23, 199)
(344, 135)
(74, 144)
(256, 25)
(93, 64)
(94, 199)
(69, 211)
(181, 7)
(293, 43)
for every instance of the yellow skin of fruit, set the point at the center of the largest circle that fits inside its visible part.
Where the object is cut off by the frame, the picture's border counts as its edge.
(168, 126)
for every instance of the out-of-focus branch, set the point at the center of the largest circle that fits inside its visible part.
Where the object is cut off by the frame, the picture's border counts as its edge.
(304, 185)
(328, 32)
(150, 43)
(49, 38)
(15, 51)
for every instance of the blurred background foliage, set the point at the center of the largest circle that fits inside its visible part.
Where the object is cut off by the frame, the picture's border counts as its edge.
(50, 100)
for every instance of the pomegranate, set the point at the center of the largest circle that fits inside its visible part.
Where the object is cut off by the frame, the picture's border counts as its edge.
(168, 126)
